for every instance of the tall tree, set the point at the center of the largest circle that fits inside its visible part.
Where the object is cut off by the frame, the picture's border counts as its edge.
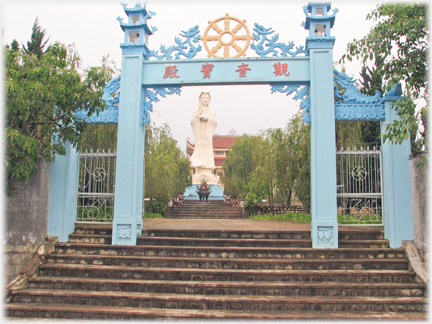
(100, 136)
(43, 92)
(167, 169)
(36, 45)
(371, 81)
(239, 165)
(401, 39)
(300, 137)
(284, 160)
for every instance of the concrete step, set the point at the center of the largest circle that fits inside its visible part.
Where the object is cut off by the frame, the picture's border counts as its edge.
(203, 216)
(99, 229)
(221, 302)
(226, 274)
(205, 209)
(90, 312)
(207, 212)
(217, 263)
(226, 234)
(249, 275)
(220, 242)
(230, 252)
(182, 241)
(230, 288)
(146, 239)
(90, 238)
(345, 233)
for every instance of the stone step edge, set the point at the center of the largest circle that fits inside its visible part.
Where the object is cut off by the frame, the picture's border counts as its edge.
(227, 271)
(231, 284)
(233, 260)
(228, 248)
(224, 298)
(210, 314)
(342, 230)
(225, 240)
(247, 240)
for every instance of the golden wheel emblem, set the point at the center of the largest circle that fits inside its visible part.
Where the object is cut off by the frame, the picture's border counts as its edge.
(226, 37)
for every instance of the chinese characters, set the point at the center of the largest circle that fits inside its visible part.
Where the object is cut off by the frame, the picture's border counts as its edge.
(171, 72)
(242, 69)
(280, 70)
(207, 68)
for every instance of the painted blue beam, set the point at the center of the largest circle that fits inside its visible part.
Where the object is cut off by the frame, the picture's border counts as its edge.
(226, 71)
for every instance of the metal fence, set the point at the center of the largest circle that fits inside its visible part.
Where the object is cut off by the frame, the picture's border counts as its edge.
(96, 186)
(359, 186)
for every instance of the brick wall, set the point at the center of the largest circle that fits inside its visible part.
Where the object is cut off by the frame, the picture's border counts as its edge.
(419, 201)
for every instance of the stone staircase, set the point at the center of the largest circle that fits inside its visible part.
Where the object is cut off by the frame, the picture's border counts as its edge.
(222, 274)
(205, 209)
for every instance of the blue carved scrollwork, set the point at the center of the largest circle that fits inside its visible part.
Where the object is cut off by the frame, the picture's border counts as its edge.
(301, 93)
(353, 105)
(110, 114)
(261, 36)
(185, 47)
(152, 96)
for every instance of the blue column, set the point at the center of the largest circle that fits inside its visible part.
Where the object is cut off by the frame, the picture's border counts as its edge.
(398, 223)
(127, 223)
(323, 150)
(63, 191)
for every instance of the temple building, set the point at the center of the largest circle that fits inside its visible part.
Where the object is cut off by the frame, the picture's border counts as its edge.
(221, 145)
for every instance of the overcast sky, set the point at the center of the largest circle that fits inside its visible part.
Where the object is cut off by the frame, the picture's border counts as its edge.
(93, 27)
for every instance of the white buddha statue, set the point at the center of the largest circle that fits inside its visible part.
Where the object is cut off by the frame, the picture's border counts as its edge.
(203, 125)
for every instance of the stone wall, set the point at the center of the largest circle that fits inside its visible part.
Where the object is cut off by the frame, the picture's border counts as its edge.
(27, 207)
(419, 196)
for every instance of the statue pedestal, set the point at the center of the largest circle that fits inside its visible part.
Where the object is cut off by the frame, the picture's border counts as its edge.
(191, 194)
(204, 174)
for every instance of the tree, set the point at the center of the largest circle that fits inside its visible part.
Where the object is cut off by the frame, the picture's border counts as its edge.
(36, 44)
(239, 165)
(43, 92)
(100, 136)
(371, 81)
(299, 134)
(167, 169)
(401, 39)
(284, 159)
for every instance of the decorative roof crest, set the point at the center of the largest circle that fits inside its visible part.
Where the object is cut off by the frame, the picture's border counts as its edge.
(284, 49)
(191, 37)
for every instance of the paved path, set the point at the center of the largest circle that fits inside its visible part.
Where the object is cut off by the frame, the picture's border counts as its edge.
(224, 224)
(233, 224)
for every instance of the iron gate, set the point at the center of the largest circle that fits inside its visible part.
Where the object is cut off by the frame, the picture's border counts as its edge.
(96, 185)
(359, 186)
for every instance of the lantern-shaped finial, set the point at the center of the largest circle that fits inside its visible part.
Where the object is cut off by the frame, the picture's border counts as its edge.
(136, 29)
(319, 21)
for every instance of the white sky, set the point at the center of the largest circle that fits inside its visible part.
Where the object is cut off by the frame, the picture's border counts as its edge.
(93, 27)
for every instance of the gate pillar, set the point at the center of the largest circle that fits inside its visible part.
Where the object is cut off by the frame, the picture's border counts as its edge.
(398, 223)
(127, 223)
(128, 206)
(63, 189)
(324, 225)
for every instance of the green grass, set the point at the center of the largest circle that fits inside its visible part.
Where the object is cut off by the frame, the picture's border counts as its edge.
(364, 219)
(292, 217)
(306, 218)
(152, 215)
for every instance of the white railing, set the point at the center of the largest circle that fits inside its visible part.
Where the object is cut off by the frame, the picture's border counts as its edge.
(96, 186)
(359, 185)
